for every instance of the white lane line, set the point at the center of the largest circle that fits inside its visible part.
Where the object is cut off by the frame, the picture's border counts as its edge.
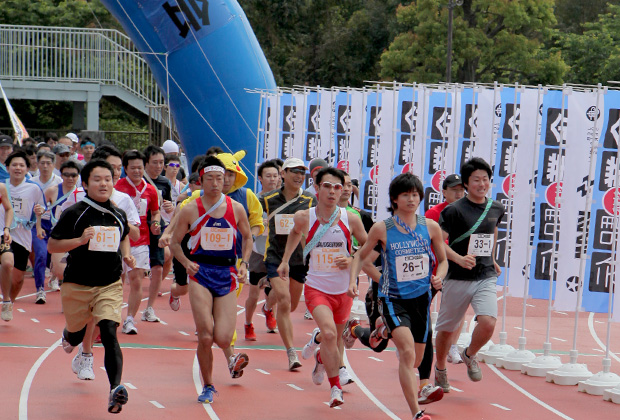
(23, 396)
(599, 322)
(50, 331)
(525, 329)
(366, 391)
(20, 310)
(156, 404)
(130, 385)
(375, 358)
(501, 406)
(295, 387)
(264, 317)
(527, 394)
(327, 404)
(239, 306)
(183, 333)
(34, 320)
(561, 313)
(163, 322)
(264, 372)
(456, 389)
(198, 385)
(599, 350)
(593, 333)
(531, 306)
(558, 339)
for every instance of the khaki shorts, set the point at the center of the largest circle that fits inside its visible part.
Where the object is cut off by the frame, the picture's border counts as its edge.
(80, 304)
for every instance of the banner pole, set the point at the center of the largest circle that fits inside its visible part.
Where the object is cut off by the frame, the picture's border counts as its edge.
(260, 108)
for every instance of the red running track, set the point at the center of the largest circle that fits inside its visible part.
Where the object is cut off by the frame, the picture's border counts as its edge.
(161, 374)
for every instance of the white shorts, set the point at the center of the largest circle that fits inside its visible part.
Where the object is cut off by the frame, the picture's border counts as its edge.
(141, 254)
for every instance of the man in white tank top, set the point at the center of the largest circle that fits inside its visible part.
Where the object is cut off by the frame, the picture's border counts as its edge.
(328, 292)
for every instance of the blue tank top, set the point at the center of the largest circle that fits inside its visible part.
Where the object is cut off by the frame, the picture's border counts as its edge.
(215, 238)
(406, 262)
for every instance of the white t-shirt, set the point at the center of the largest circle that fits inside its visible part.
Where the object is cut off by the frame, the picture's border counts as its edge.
(52, 182)
(23, 198)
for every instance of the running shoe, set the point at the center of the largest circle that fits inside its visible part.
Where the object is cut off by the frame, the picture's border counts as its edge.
(250, 335)
(149, 315)
(237, 363)
(118, 398)
(429, 394)
(67, 347)
(441, 379)
(318, 373)
(206, 397)
(85, 371)
(308, 315)
(75, 363)
(97, 339)
(345, 378)
(129, 327)
(40, 300)
(174, 302)
(453, 355)
(421, 416)
(473, 370)
(7, 311)
(270, 320)
(311, 345)
(293, 360)
(347, 334)
(54, 286)
(335, 397)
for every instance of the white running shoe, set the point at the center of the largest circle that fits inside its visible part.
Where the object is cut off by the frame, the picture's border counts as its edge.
(345, 378)
(40, 299)
(335, 397)
(293, 360)
(7, 311)
(310, 346)
(85, 372)
(54, 286)
(429, 394)
(174, 302)
(75, 363)
(454, 356)
(149, 315)
(347, 334)
(318, 373)
(308, 315)
(129, 327)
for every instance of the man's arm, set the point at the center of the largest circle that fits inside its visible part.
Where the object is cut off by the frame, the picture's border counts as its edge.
(300, 228)
(468, 261)
(440, 253)
(363, 256)
(125, 247)
(256, 214)
(57, 246)
(246, 245)
(498, 269)
(181, 228)
(8, 214)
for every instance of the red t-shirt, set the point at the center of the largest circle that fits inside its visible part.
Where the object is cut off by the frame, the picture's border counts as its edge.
(139, 193)
(433, 213)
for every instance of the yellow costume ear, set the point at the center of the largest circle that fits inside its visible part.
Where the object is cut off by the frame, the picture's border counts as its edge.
(239, 155)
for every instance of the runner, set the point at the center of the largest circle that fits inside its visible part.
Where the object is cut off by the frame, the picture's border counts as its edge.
(405, 284)
(87, 147)
(6, 257)
(6, 148)
(212, 264)
(328, 230)
(94, 233)
(23, 195)
(280, 206)
(470, 225)
(145, 198)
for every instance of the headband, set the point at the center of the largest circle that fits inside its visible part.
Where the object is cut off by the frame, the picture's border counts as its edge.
(88, 143)
(212, 168)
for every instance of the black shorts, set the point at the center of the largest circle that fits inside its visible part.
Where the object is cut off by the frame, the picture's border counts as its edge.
(156, 254)
(255, 277)
(180, 275)
(296, 272)
(20, 256)
(410, 313)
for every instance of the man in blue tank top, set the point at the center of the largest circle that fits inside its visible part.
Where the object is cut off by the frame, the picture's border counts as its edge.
(405, 284)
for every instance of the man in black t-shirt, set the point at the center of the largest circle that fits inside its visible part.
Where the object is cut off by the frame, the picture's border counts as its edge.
(470, 226)
(94, 233)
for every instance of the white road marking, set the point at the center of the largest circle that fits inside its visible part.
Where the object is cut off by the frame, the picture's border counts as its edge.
(558, 339)
(593, 333)
(518, 328)
(264, 317)
(295, 387)
(501, 406)
(531, 306)
(264, 372)
(23, 396)
(456, 389)
(50, 331)
(130, 386)
(156, 404)
(561, 313)
(34, 320)
(527, 394)
(163, 322)
(20, 310)
(599, 322)
(183, 333)
(198, 385)
(599, 350)
(375, 358)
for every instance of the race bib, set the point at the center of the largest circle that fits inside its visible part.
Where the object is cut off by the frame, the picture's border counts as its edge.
(324, 259)
(107, 239)
(481, 244)
(284, 223)
(216, 239)
(412, 267)
(142, 209)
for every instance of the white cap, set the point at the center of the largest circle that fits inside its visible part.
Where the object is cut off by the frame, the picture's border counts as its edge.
(170, 146)
(73, 137)
(293, 163)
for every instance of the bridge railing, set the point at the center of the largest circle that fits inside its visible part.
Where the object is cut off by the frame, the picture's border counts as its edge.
(106, 56)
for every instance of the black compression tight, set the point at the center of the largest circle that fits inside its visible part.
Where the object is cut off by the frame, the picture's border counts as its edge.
(113, 360)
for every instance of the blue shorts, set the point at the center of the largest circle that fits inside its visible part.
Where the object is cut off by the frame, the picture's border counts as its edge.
(296, 272)
(218, 280)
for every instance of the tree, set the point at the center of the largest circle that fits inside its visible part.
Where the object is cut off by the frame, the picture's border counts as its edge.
(573, 14)
(494, 40)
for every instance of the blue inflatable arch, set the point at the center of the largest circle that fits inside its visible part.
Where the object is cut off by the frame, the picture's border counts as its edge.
(212, 57)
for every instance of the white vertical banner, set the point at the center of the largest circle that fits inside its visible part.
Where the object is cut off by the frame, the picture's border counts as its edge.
(583, 117)
(356, 122)
(271, 136)
(386, 149)
(485, 126)
(326, 119)
(528, 134)
(298, 120)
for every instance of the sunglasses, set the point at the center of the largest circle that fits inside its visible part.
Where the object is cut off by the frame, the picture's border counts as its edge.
(174, 165)
(329, 185)
(70, 175)
(297, 171)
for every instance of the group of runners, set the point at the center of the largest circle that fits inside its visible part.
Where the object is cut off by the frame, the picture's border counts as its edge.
(218, 235)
